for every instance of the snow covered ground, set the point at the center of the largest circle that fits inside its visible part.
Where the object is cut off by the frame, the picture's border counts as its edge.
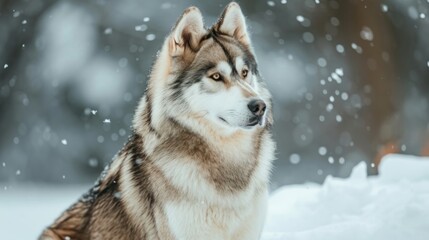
(26, 210)
(391, 206)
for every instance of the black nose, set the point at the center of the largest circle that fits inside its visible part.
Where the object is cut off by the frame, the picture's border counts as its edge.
(257, 107)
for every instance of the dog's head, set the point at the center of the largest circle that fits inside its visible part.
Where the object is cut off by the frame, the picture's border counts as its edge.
(210, 75)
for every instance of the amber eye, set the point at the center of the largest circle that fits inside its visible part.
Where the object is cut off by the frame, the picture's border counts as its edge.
(244, 73)
(216, 77)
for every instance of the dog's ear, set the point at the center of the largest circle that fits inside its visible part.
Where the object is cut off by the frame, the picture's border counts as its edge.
(187, 32)
(232, 22)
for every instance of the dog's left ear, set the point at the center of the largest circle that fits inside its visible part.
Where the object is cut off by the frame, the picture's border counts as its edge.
(233, 23)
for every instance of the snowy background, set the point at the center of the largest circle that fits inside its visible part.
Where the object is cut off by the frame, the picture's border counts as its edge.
(350, 81)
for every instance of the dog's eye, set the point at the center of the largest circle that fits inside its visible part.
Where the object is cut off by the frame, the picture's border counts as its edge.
(216, 77)
(244, 73)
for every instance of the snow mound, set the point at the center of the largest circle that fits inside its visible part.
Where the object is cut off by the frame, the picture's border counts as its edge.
(393, 205)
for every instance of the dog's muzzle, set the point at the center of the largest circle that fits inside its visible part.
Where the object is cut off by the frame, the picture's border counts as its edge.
(257, 107)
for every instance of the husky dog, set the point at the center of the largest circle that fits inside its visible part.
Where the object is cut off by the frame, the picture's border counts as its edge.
(197, 165)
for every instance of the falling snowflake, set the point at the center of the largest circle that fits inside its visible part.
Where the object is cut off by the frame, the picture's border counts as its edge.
(138, 161)
(335, 21)
(100, 139)
(300, 18)
(339, 118)
(412, 13)
(108, 31)
(123, 62)
(357, 48)
(322, 151)
(321, 62)
(141, 28)
(107, 120)
(339, 71)
(166, 5)
(93, 162)
(64, 142)
(329, 107)
(294, 158)
(340, 48)
(308, 37)
(117, 195)
(150, 37)
(366, 34)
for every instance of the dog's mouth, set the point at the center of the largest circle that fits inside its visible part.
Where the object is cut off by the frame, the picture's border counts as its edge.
(255, 121)
(251, 123)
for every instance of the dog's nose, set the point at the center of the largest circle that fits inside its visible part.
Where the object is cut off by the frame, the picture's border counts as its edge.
(257, 107)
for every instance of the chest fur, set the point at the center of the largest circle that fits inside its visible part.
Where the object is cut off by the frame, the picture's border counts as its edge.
(206, 221)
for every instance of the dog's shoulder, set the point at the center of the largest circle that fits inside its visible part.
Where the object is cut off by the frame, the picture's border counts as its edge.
(97, 203)
(71, 224)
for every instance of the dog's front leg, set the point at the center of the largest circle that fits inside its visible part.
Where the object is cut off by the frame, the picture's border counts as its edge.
(252, 226)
